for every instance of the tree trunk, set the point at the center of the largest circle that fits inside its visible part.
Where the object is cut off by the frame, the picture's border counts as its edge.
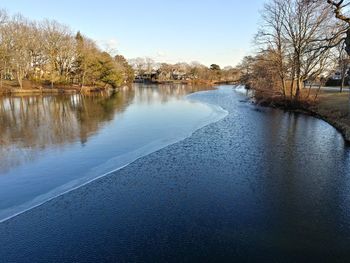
(292, 79)
(318, 91)
(283, 87)
(309, 91)
(297, 91)
(342, 83)
(292, 88)
(20, 83)
(19, 79)
(83, 79)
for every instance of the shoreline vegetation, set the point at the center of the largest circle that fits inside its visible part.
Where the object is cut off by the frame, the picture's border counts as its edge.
(48, 57)
(302, 47)
(35, 89)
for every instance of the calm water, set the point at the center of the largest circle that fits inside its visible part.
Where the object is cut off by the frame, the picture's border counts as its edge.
(259, 185)
(50, 144)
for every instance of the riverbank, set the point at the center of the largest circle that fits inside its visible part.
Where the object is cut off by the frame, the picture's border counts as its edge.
(54, 90)
(332, 107)
(195, 82)
(255, 186)
(32, 88)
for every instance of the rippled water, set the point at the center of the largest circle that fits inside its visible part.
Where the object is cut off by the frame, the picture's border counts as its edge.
(51, 144)
(260, 185)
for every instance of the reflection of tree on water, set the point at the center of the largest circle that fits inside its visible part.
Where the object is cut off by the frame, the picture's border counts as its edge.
(94, 112)
(29, 124)
(162, 93)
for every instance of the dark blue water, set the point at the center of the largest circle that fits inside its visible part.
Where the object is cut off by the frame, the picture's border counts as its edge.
(260, 185)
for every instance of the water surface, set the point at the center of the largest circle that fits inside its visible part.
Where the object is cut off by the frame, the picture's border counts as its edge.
(260, 185)
(51, 144)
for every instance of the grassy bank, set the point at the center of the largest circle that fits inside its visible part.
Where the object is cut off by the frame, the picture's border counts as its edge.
(334, 108)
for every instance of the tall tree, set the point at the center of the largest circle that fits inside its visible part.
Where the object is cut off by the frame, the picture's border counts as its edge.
(19, 48)
(339, 7)
(4, 60)
(271, 37)
(297, 35)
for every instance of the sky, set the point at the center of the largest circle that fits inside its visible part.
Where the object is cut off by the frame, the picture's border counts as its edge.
(207, 31)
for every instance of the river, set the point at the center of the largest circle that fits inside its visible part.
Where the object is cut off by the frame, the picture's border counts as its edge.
(52, 144)
(253, 185)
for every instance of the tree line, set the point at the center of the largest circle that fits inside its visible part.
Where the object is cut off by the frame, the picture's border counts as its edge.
(193, 71)
(299, 41)
(49, 53)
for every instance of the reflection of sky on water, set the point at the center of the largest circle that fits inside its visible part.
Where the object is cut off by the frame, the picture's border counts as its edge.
(259, 184)
(58, 142)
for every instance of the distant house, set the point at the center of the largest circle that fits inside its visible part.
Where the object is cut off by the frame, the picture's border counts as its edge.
(146, 77)
(336, 75)
(177, 75)
(319, 82)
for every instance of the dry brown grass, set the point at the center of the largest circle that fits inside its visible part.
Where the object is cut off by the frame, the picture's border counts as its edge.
(334, 105)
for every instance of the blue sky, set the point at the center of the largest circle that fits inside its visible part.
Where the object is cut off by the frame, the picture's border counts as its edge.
(215, 31)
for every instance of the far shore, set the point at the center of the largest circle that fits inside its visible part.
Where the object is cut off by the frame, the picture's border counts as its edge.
(56, 89)
(190, 82)
(18, 91)
(75, 89)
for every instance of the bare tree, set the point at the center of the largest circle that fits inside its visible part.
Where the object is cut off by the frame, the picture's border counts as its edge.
(59, 47)
(149, 64)
(339, 8)
(310, 32)
(3, 47)
(271, 37)
(343, 65)
(295, 41)
(21, 55)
